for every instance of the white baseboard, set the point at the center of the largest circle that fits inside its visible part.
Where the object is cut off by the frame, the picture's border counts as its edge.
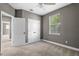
(62, 45)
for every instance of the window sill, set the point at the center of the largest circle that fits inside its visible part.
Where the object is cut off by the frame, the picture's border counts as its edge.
(54, 33)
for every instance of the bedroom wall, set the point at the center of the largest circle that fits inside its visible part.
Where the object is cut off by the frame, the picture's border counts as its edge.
(69, 30)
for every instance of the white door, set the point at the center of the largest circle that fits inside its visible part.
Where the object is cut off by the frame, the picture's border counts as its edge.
(18, 31)
(33, 30)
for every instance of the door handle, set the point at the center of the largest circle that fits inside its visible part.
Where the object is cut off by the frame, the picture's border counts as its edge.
(34, 32)
(24, 33)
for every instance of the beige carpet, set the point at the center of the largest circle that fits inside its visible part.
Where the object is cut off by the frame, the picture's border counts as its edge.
(36, 49)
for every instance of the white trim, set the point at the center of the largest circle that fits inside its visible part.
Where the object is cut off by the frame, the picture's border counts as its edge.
(62, 45)
(12, 17)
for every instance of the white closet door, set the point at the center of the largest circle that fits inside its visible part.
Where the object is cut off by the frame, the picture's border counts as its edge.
(18, 31)
(33, 30)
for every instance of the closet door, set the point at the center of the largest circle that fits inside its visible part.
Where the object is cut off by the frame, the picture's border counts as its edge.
(33, 30)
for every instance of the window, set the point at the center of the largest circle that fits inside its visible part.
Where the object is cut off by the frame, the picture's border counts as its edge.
(54, 24)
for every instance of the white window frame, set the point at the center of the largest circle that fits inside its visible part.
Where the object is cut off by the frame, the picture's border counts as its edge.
(50, 27)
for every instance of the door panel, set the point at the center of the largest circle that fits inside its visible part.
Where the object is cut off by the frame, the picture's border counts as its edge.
(18, 31)
(33, 30)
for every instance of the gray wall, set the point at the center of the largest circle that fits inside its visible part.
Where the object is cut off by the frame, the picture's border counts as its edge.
(6, 8)
(69, 26)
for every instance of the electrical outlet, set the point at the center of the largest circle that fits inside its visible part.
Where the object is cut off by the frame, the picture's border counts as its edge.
(66, 42)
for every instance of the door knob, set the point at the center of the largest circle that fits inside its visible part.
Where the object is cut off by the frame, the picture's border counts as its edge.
(24, 33)
(34, 32)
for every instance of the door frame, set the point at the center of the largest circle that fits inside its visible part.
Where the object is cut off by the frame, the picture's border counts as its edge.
(12, 17)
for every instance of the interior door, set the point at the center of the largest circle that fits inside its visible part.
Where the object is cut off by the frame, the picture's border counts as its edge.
(33, 30)
(18, 31)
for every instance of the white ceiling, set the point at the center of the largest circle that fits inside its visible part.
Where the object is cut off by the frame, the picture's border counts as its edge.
(37, 10)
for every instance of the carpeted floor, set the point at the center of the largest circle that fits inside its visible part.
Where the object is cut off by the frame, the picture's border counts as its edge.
(35, 49)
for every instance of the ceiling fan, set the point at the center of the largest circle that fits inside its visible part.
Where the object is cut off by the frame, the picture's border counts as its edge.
(41, 5)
